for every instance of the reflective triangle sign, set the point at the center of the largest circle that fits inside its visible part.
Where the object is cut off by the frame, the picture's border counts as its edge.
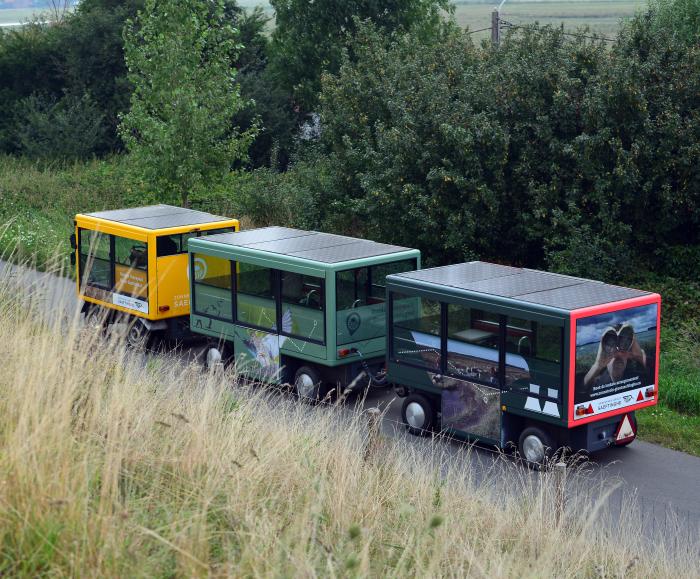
(625, 431)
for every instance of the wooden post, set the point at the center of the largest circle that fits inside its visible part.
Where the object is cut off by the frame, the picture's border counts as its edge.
(560, 490)
(495, 27)
(374, 424)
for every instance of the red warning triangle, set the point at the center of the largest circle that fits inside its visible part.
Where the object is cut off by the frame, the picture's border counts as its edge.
(625, 431)
(589, 410)
(640, 397)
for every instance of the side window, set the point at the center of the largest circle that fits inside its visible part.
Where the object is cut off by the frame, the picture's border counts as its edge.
(378, 273)
(256, 303)
(217, 231)
(175, 244)
(472, 352)
(351, 288)
(212, 286)
(130, 267)
(95, 265)
(533, 357)
(130, 253)
(303, 306)
(417, 323)
(170, 245)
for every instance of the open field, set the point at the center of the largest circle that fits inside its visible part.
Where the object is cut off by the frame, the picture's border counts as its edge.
(600, 16)
(112, 466)
(21, 15)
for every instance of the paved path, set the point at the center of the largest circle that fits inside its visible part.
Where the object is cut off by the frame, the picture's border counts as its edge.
(662, 480)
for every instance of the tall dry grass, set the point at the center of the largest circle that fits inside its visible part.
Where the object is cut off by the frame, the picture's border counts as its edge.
(117, 465)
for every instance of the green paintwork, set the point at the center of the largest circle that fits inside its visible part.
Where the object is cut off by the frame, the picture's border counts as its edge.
(333, 330)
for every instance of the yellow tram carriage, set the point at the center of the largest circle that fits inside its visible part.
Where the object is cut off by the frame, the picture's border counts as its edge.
(132, 265)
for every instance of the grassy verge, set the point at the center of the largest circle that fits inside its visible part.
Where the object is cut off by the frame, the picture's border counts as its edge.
(668, 427)
(39, 202)
(113, 468)
(675, 422)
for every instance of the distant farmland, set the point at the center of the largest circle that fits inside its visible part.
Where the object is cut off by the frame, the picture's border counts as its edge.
(599, 16)
(602, 17)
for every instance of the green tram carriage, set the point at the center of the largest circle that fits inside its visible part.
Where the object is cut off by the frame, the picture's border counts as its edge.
(292, 306)
(508, 355)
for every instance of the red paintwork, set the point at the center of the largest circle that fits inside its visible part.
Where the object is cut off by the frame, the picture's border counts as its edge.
(604, 309)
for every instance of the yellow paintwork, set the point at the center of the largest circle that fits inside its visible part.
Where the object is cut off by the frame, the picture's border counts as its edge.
(168, 277)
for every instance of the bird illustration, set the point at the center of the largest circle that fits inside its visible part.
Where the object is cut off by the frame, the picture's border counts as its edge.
(265, 347)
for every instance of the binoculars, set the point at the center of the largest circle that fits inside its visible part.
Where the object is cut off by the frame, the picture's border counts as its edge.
(618, 340)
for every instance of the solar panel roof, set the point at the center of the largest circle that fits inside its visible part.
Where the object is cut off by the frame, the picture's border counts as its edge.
(309, 245)
(158, 216)
(527, 285)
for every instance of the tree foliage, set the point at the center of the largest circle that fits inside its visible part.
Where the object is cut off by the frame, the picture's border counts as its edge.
(82, 56)
(551, 151)
(309, 35)
(179, 131)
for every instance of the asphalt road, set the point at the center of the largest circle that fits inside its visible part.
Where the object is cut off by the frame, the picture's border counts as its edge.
(664, 483)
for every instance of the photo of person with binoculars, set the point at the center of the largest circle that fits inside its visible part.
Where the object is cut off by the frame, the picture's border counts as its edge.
(614, 350)
(617, 352)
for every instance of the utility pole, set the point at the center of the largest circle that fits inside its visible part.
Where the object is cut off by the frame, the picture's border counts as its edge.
(496, 24)
(495, 27)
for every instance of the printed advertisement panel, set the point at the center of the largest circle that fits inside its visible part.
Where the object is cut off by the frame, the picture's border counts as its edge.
(258, 354)
(615, 359)
(131, 281)
(130, 303)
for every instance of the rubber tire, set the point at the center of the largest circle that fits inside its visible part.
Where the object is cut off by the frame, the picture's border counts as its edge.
(316, 392)
(225, 351)
(138, 336)
(428, 411)
(546, 441)
(634, 425)
(95, 317)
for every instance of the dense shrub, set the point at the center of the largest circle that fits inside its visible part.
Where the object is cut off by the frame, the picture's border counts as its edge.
(553, 151)
(69, 128)
(81, 55)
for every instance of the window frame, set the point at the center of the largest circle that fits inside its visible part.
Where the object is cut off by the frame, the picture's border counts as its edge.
(280, 303)
(276, 282)
(390, 333)
(112, 264)
(502, 329)
(193, 299)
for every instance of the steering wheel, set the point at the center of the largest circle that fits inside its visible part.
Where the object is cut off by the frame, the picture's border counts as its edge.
(356, 303)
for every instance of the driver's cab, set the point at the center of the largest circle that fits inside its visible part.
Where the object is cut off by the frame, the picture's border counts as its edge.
(135, 260)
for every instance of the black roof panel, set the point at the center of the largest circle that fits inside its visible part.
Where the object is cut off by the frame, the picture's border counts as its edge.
(158, 216)
(527, 285)
(309, 245)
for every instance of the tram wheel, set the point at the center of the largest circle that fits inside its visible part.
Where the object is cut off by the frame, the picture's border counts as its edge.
(95, 319)
(535, 446)
(418, 414)
(138, 336)
(308, 384)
